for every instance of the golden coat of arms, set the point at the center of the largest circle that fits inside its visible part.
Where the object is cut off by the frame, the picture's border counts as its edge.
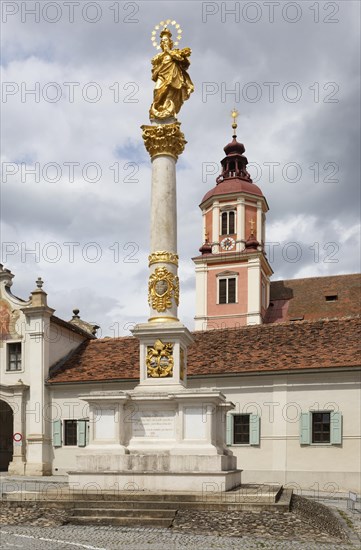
(159, 360)
(163, 286)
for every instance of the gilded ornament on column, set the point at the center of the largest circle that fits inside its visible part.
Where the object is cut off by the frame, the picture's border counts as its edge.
(162, 256)
(159, 360)
(162, 287)
(164, 139)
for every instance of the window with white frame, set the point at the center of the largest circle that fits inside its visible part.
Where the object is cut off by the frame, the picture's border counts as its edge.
(228, 222)
(227, 290)
(242, 429)
(320, 428)
(70, 433)
(14, 356)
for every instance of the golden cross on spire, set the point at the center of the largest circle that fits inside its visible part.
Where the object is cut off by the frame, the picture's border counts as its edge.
(234, 115)
(252, 223)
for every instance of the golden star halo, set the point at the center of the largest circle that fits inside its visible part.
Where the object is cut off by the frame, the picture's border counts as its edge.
(163, 24)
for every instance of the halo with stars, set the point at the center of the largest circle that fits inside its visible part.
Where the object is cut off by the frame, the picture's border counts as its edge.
(161, 26)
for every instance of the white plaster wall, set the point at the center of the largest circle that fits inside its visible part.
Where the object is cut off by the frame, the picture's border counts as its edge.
(279, 399)
(62, 341)
(66, 405)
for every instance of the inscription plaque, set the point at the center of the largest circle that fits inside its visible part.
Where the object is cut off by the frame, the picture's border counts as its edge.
(160, 424)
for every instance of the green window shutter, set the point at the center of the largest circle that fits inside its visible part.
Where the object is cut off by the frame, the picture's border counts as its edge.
(87, 432)
(305, 432)
(81, 432)
(336, 428)
(57, 439)
(229, 429)
(254, 422)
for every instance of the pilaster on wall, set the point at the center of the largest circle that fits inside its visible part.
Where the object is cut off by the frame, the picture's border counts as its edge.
(38, 411)
(215, 226)
(254, 316)
(201, 296)
(240, 224)
(259, 222)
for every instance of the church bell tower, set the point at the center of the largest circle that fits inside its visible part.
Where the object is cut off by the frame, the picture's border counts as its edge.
(232, 272)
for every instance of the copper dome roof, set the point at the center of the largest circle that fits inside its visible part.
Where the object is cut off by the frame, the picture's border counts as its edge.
(230, 186)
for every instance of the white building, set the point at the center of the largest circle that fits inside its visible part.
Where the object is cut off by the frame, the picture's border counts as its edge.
(286, 353)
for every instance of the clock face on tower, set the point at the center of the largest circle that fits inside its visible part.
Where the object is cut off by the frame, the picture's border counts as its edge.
(227, 243)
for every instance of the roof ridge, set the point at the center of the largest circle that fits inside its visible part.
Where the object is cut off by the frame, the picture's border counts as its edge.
(317, 277)
(263, 326)
(72, 327)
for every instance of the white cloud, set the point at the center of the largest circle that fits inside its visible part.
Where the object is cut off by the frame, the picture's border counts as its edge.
(116, 56)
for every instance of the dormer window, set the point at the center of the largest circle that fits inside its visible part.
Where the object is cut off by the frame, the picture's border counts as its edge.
(331, 297)
(228, 223)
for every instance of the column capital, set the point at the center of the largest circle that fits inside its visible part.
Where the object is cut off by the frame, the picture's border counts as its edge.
(164, 139)
(163, 257)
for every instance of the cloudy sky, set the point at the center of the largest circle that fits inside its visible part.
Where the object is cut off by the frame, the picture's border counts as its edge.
(76, 177)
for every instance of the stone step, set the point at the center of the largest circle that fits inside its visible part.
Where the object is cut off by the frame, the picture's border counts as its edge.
(122, 521)
(176, 505)
(124, 504)
(247, 497)
(125, 512)
(242, 494)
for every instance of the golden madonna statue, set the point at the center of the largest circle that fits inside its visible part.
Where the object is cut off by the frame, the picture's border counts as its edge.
(172, 82)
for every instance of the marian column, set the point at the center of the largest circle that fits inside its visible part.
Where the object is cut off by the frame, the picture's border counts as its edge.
(163, 437)
(164, 340)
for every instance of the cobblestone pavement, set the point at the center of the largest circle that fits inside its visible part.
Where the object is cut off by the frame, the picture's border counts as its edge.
(43, 534)
(113, 538)
(351, 518)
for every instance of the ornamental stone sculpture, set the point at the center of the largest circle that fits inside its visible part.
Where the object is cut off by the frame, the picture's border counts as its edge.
(172, 82)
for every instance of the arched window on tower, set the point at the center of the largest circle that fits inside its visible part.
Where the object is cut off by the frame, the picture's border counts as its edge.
(228, 223)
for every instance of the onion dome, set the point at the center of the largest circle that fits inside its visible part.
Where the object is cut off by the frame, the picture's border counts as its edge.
(206, 247)
(251, 244)
(234, 177)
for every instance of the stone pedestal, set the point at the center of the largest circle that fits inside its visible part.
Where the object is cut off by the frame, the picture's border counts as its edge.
(170, 441)
(162, 367)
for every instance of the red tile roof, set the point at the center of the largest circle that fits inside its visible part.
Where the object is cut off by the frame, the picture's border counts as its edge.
(262, 348)
(306, 298)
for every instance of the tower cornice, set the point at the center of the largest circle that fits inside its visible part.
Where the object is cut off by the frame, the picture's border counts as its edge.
(232, 196)
(228, 258)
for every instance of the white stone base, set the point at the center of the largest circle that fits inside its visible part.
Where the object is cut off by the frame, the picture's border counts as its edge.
(154, 481)
(37, 469)
(155, 463)
(156, 438)
(16, 468)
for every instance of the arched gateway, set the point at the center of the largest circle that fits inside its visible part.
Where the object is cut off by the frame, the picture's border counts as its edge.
(6, 435)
